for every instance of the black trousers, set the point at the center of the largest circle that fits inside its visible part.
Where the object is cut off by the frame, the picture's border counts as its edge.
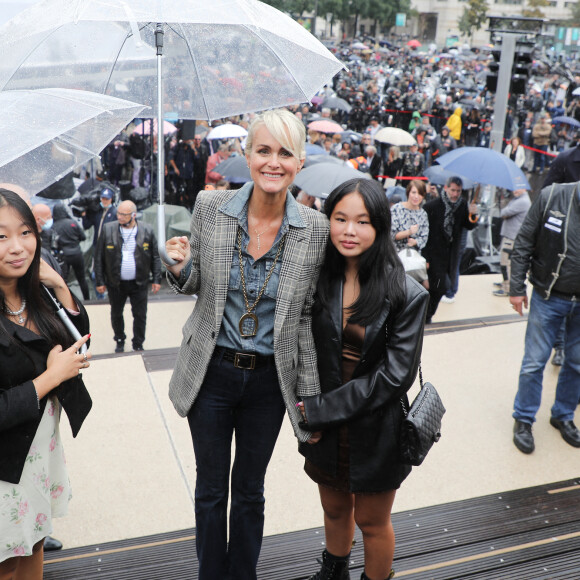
(137, 294)
(77, 263)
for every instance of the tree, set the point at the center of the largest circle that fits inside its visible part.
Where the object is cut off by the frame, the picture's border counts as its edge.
(533, 9)
(575, 13)
(473, 17)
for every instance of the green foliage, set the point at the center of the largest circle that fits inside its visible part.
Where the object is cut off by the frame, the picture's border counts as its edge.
(474, 17)
(534, 8)
(383, 12)
(575, 13)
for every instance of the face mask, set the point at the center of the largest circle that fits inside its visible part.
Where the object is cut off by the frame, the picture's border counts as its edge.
(47, 224)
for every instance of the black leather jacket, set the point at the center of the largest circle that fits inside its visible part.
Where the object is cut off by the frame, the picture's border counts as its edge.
(550, 229)
(370, 402)
(108, 256)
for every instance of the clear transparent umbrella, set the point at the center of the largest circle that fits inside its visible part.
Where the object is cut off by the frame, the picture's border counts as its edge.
(200, 60)
(47, 133)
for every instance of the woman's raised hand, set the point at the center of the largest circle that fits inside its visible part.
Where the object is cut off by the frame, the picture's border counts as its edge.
(62, 365)
(178, 249)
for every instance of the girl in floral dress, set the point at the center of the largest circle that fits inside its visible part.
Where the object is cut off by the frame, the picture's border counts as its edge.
(39, 374)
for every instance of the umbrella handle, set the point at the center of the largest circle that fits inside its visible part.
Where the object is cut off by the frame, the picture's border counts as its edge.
(161, 237)
(61, 313)
(474, 218)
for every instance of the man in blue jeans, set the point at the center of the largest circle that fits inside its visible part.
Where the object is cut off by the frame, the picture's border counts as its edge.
(548, 246)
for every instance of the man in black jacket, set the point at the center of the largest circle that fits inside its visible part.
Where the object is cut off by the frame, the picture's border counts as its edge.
(548, 246)
(126, 256)
(447, 215)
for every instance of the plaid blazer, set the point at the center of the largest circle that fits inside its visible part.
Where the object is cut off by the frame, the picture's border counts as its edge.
(213, 237)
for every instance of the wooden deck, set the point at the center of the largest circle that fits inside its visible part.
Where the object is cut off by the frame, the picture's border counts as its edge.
(526, 534)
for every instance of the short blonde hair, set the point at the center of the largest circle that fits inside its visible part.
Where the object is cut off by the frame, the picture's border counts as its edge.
(285, 127)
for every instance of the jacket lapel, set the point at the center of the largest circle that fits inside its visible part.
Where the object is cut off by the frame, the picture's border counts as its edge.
(376, 328)
(224, 242)
(295, 252)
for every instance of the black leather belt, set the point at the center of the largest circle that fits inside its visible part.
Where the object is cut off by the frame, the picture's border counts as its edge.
(243, 360)
(570, 297)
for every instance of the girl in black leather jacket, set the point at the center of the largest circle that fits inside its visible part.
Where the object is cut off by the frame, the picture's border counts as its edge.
(368, 322)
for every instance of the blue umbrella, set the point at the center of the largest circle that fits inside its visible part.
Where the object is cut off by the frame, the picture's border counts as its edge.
(234, 169)
(566, 120)
(320, 179)
(312, 149)
(313, 159)
(439, 176)
(485, 166)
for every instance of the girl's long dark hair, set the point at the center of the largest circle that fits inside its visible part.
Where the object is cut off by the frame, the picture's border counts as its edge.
(41, 314)
(381, 274)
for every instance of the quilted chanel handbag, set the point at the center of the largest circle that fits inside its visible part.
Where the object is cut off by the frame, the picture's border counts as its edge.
(422, 424)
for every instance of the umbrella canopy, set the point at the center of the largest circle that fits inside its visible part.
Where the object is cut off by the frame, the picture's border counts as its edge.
(325, 126)
(337, 103)
(196, 60)
(320, 179)
(414, 43)
(394, 136)
(219, 59)
(227, 131)
(144, 128)
(47, 133)
(566, 120)
(439, 176)
(358, 46)
(314, 159)
(485, 166)
(235, 170)
(576, 92)
(313, 149)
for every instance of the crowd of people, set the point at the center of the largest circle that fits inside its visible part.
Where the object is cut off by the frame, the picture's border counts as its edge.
(300, 312)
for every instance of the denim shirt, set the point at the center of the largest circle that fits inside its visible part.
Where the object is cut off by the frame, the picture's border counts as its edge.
(255, 273)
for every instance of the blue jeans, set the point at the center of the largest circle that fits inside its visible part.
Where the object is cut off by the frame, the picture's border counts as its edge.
(248, 403)
(544, 322)
(540, 158)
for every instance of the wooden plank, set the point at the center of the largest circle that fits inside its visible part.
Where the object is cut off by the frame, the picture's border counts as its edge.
(518, 535)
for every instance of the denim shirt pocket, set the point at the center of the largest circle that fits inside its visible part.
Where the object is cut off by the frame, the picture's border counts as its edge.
(235, 277)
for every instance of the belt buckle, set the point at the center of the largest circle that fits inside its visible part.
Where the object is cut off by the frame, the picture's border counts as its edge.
(240, 358)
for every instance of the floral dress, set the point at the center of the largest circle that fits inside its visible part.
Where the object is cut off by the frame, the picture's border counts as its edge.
(43, 493)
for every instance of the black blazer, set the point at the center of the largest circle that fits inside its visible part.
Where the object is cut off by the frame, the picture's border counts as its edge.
(19, 413)
(441, 254)
(372, 409)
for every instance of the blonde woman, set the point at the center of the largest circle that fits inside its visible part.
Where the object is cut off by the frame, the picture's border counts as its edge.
(247, 356)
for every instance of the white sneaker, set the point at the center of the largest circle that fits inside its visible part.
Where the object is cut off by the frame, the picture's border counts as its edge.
(447, 300)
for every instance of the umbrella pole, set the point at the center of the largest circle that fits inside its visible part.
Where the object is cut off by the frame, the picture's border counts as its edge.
(160, 153)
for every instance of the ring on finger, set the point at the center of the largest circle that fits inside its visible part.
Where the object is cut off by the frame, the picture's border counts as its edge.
(85, 356)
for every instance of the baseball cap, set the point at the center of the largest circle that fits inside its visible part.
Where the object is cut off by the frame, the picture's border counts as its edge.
(107, 193)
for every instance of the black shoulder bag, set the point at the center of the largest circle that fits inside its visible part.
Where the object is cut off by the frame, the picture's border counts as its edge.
(422, 424)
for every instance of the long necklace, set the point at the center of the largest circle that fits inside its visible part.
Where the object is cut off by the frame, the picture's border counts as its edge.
(21, 319)
(249, 317)
(261, 233)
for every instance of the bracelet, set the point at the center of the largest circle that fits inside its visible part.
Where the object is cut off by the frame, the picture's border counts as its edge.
(37, 399)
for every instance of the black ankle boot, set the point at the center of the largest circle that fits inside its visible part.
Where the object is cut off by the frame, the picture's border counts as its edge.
(332, 568)
(391, 575)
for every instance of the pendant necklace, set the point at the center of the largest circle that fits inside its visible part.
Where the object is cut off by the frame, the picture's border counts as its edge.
(261, 233)
(18, 313)
(248, 324)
